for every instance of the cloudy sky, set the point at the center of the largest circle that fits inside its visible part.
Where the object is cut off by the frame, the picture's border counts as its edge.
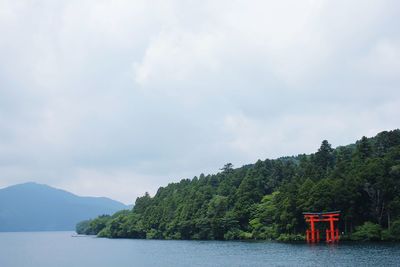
(115, 98)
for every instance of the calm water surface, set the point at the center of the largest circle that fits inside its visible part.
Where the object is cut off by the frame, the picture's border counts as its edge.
(59, 249)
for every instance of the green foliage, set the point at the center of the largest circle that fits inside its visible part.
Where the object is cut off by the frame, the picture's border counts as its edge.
(395, 229)
(92, 227)
(368, 232)
(392, 234)
(83, 227)
(98, 224)
(290, 237)
(265, 200)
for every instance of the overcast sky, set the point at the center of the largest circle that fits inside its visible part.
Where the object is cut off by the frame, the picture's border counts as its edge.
(116, 98)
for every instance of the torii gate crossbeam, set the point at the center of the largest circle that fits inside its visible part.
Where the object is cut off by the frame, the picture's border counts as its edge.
(313, 235)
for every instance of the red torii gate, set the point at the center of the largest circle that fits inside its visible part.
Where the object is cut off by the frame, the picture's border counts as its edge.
(332, 234)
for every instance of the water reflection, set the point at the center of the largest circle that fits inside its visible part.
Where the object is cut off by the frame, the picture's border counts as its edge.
(61, 249)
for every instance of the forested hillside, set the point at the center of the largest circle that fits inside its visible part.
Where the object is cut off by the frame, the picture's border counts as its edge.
(265, 200)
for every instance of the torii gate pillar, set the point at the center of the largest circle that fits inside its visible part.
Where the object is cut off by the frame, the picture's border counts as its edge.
(332, 234)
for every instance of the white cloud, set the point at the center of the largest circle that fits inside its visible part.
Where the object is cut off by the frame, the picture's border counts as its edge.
(177, 56)
(296, 133)
(382, 60)
(116, 98)
(120, 184)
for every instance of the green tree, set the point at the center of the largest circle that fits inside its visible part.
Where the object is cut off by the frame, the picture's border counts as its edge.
(265, 200)
(324, 157)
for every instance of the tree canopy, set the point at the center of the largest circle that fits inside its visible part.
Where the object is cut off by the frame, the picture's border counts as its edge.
(265, 200)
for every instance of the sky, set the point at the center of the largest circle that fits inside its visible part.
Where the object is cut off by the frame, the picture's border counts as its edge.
(116, 98)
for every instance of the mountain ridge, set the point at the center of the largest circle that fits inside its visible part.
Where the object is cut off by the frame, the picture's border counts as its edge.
(266, 199)
(32, 206)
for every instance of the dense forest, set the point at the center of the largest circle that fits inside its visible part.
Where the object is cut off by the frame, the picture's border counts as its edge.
(266, 200)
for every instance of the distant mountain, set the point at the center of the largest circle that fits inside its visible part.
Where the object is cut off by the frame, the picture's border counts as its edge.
(38, 207)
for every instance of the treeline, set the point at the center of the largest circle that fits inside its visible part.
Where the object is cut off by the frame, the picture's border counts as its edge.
(266, 200)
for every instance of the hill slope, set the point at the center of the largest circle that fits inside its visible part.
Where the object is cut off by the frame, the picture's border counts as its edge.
(265, 200)
(37, 207)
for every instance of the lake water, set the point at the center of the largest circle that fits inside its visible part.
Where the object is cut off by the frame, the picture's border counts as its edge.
(59, 249)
